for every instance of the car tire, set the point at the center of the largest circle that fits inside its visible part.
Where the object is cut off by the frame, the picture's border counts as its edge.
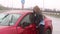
(48, 31)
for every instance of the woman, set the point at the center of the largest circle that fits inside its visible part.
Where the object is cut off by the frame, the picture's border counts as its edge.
(38, 19)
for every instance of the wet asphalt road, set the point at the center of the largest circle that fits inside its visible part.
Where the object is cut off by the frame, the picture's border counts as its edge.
(56, 24)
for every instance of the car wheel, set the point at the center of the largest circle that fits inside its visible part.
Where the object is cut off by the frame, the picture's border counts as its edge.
(48, 32)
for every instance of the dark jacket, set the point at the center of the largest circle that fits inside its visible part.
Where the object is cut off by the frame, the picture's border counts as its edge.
(36, 18)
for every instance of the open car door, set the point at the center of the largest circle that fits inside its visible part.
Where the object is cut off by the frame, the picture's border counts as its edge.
(27, 26)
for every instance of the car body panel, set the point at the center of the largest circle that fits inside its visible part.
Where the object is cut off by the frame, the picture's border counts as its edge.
(8, 30)
(48, 23)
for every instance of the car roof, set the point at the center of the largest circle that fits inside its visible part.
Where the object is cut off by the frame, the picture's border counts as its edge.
(19, 11)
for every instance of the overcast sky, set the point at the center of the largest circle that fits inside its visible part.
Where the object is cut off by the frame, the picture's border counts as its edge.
(31, 3)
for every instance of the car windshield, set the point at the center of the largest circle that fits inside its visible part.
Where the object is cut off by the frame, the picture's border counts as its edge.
(8, 19)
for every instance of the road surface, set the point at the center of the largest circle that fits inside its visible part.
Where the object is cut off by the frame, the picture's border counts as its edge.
(56, 24)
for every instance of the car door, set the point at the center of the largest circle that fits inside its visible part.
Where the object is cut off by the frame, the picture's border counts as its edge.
(26, 26)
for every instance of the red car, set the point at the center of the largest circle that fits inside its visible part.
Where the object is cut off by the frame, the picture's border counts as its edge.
(18, 22)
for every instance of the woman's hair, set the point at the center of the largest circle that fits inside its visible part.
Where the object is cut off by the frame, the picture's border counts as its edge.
(36, 8)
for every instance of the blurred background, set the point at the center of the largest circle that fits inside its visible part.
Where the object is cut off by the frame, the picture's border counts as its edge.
(50, 8)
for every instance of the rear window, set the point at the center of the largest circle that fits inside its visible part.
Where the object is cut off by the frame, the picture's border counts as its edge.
(8, 19)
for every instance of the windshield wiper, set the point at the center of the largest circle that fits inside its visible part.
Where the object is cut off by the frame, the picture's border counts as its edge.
(5, 16)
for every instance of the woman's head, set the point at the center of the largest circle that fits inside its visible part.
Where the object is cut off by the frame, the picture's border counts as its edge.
(36, 9)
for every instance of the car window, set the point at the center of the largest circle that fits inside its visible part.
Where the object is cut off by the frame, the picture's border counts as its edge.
(2, 16)
(10, 19)
(14, 18)
(26, 20)
(5, 20)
